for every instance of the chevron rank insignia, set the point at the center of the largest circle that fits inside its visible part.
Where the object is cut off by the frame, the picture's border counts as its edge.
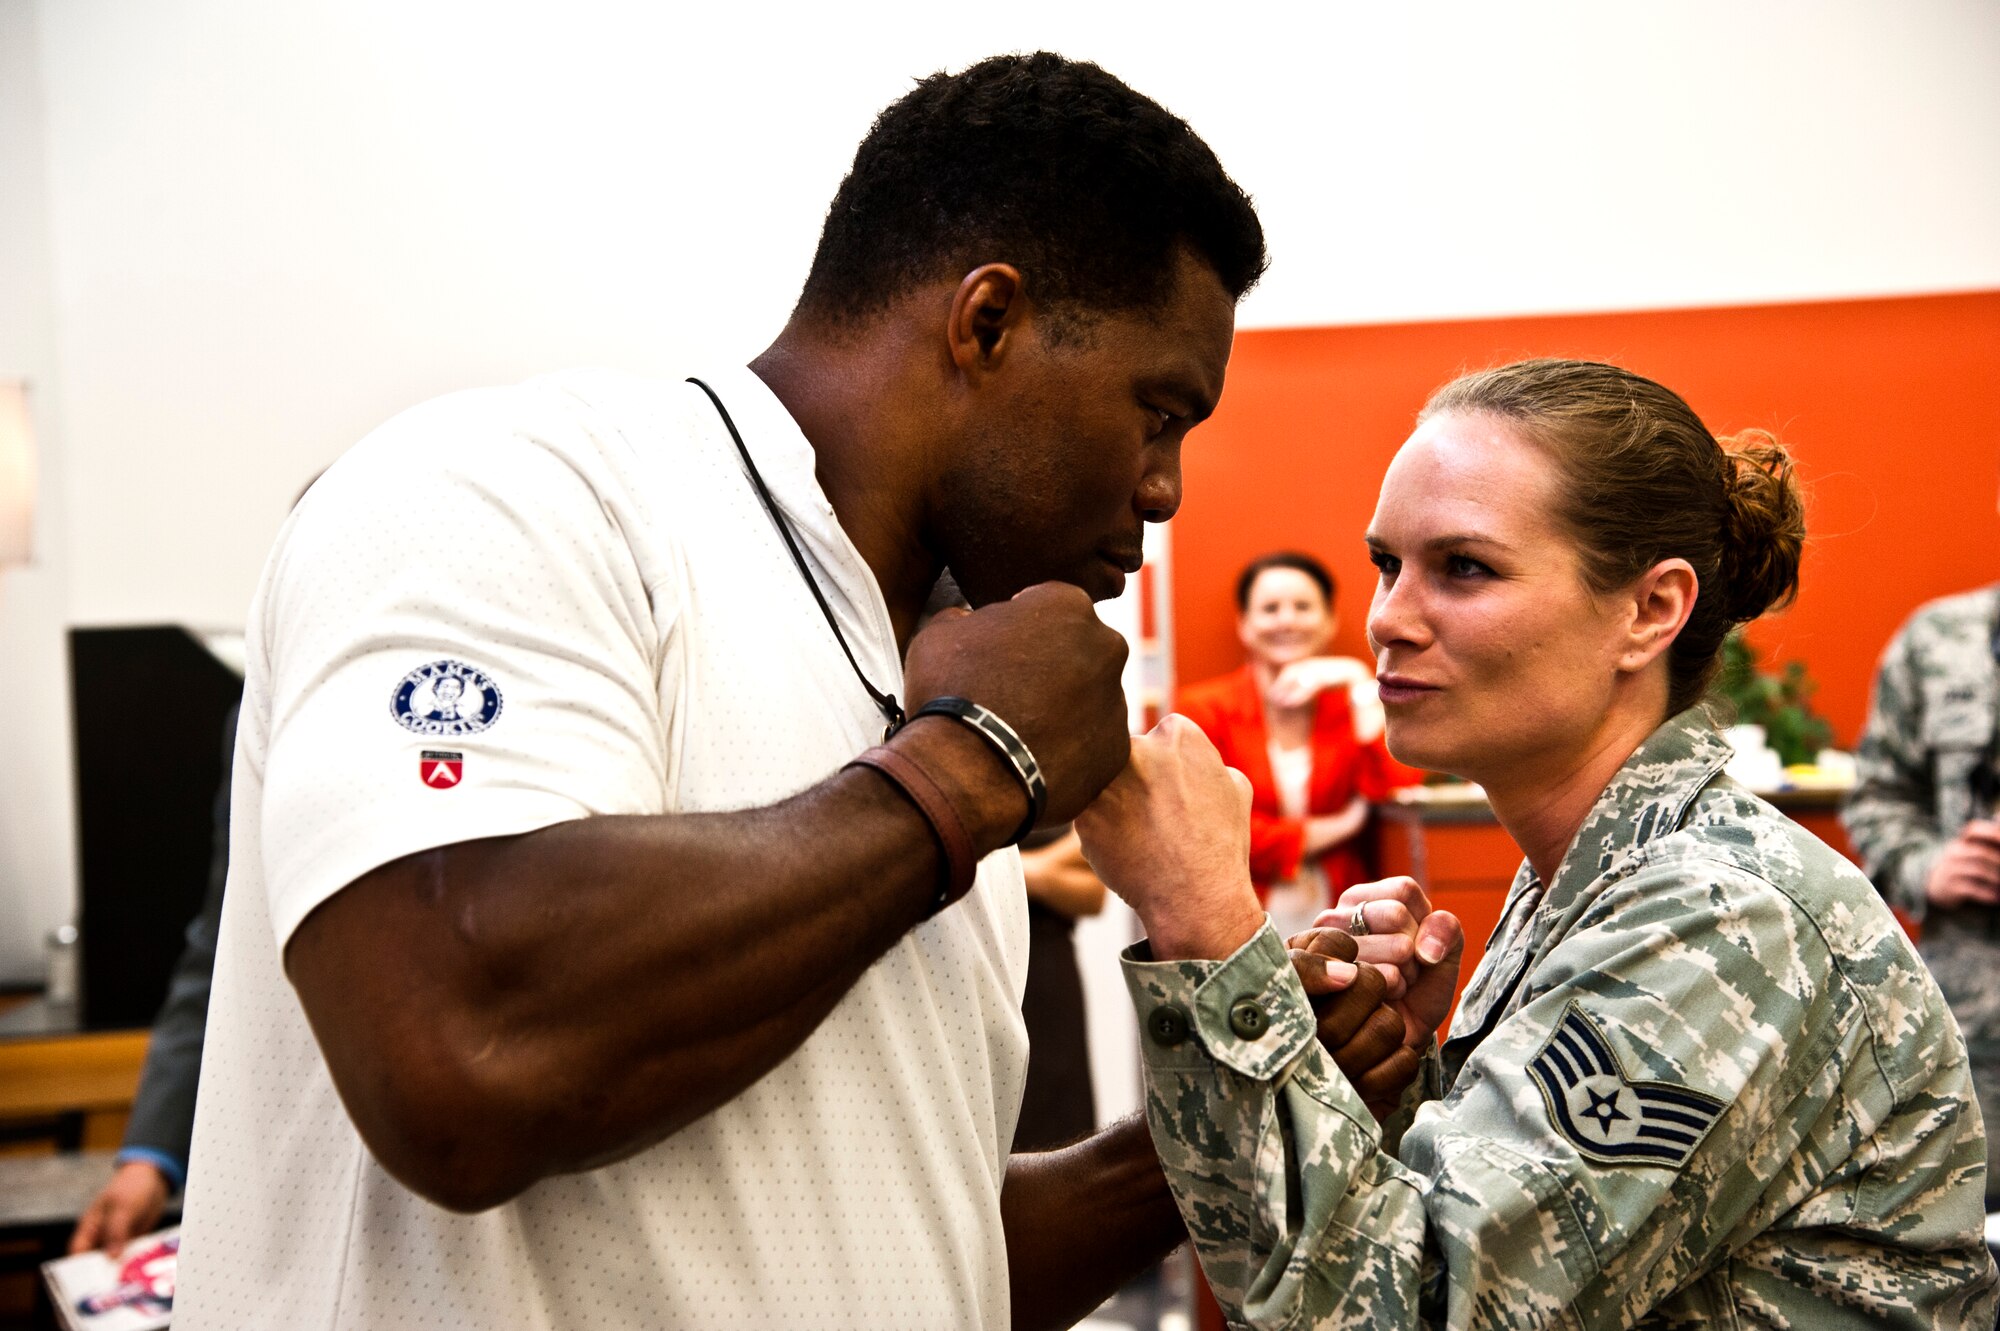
(1606, 1115)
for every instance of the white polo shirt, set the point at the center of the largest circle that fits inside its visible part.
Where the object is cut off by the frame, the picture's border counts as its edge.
(512, 607)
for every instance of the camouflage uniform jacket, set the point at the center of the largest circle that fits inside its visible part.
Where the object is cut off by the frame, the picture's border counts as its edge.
(1930, 725)
(1699, 1080)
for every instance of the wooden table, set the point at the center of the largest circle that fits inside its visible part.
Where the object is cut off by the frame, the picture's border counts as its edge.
(80, 1083)
(65, 1095)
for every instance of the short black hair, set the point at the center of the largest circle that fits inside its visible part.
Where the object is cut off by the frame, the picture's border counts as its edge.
(1049, 164)
(1291, 559)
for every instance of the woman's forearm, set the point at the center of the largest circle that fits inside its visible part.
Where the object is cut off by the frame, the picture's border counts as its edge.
(1325, 831)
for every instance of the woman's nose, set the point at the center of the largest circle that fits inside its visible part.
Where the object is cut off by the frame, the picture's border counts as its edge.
(1393, 616)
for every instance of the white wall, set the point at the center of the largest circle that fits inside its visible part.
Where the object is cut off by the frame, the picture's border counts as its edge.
(265, 227)
(37, 875)
(276, 224)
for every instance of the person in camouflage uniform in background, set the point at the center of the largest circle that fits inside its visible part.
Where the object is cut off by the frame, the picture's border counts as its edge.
(1700, 1078)
(1922, 815)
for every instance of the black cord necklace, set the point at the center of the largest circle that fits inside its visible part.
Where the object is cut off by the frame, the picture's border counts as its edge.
(885, 702)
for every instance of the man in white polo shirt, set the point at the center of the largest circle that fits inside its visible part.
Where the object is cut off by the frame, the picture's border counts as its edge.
(574, 972)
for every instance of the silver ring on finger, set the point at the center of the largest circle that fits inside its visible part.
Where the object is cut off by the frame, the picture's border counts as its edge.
(1357, 923)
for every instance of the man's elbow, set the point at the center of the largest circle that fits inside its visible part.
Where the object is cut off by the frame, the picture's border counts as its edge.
(459, 1187)
(466, 1191)
(459, 1138)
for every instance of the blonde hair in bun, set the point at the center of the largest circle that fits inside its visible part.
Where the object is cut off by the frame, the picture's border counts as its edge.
(1640, 479)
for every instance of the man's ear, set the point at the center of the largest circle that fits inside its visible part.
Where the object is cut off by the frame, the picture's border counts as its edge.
(986, 311)
(1661, 601)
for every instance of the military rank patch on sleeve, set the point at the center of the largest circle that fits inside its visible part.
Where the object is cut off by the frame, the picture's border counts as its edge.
(1605, 1114)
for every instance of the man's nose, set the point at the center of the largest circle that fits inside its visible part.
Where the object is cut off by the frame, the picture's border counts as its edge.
(1159, 494)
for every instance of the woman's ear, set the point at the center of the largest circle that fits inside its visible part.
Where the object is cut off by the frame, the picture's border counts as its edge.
(1661, 600)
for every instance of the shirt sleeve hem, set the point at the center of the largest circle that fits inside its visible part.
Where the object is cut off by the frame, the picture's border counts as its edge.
(354, 846)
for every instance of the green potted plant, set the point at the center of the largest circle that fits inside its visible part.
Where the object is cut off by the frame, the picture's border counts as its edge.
(1780, 702)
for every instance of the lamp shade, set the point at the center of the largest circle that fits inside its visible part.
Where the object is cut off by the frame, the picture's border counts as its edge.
(17, 474)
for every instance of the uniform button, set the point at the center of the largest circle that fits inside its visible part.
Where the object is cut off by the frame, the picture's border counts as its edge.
(1248, 1018)
(1168, 1025)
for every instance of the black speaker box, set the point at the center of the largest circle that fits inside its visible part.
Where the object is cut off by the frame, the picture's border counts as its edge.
(149, 707)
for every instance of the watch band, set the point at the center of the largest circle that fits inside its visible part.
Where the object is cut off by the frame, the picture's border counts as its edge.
(1006, 743)
(961, 860)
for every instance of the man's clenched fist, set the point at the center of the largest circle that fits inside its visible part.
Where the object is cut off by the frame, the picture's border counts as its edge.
(1046, 665)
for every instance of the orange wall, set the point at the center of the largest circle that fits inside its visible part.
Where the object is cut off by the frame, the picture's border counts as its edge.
(1892, 408)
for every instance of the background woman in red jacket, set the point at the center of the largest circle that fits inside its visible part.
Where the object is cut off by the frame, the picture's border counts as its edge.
(1307, 731)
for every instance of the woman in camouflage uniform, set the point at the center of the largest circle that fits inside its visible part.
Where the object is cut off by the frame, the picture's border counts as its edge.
(1700, 1077)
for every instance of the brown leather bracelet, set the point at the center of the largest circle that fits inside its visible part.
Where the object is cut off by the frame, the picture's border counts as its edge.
(961, 862)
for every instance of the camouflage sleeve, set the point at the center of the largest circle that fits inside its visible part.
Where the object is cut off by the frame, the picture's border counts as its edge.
(1892, 815)
(1298, 1218)
(1599, 1150)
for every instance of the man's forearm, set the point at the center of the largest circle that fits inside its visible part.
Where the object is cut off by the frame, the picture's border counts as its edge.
(503, 1010)
(1083, 1220)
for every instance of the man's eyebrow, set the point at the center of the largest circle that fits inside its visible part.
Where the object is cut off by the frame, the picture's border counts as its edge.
(1179, 393)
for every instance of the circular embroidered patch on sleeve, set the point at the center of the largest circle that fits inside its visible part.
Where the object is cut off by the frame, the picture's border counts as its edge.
(445, 698)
